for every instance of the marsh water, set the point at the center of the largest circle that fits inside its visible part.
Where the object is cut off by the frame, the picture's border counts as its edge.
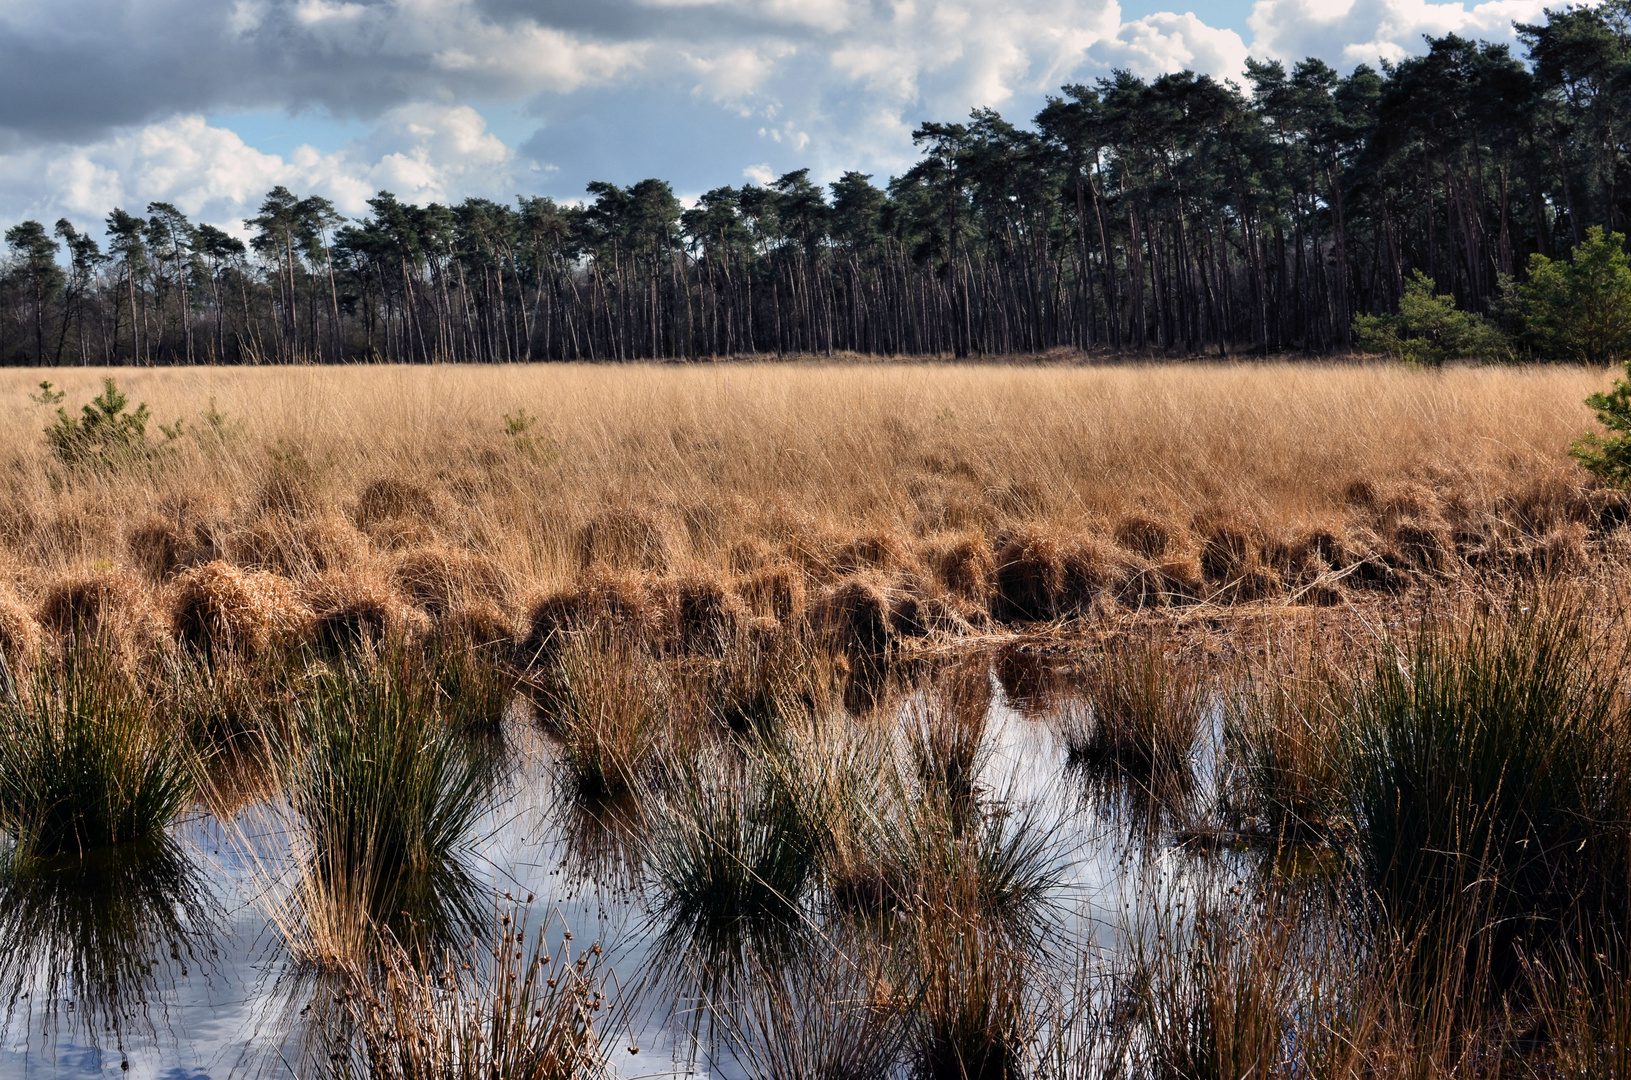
(171, 963)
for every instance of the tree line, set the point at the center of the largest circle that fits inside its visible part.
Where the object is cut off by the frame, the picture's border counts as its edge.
(1181, 214)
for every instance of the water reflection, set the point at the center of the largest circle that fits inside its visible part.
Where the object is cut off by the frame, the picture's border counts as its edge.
(836, 1011)
(732, 860)
(91, 942)
(602, 844)
(914, 923)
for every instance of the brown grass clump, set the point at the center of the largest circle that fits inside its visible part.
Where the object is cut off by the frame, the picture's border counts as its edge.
(291, 484)
(626, 539)
(1421, 545)
(220, 607)
(706, 614)
(874, 551)
(963, 566)
(351, 610)
(624, 602)
(436, 577)
(1030, 577)
(605, 697)
(479, 623)
(161, 548)
(298, 547)
(107, 604)
(1231, 558)
(775, 592)
(390, 497)
(19, 633)
(1093, 570)
(971, 1022)
(1284, 747)
(1149, 536)
(1143, 711)
(854, 615)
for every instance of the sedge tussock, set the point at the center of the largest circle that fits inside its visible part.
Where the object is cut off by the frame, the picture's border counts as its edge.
(385, 795)
(360, 610)
(1488, 773)
(1056, 489)
(105, 604)
(1141, 712)
(531, 1012)
(1284, 742)
(219, 608)
(85, 761)
(608, 701)
(19, 634)
(437, 578)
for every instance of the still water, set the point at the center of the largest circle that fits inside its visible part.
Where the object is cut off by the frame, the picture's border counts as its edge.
(170, 963)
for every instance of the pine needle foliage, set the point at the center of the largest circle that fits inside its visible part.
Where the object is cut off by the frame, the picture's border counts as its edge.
(106, 432)
(1428, 329)
(1609, 457)
(1580, 311)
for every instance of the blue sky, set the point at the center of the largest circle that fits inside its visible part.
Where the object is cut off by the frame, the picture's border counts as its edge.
(209, 103)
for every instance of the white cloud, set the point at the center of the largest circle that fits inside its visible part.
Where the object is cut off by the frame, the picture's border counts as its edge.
(421, 152)
(101, 100)
(1156, 44)
(1349, 32)
(735, 74)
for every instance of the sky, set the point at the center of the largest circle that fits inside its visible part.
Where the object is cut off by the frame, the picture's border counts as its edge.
(207, 104)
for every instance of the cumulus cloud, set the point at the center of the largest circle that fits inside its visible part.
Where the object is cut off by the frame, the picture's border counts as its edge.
(80, 68)
(421, 152)
(101, 101)
(1165, 42)
(1349, 32)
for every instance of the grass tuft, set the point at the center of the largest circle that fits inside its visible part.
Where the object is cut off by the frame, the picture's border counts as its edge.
(733, 858)
(85, 763)
(1490, 780)
(529, 1013)
(1143, 715)
(387, 794)
(1285, 762)
(605, 697)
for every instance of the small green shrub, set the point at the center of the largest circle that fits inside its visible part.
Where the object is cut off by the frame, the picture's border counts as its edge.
(48, 395)
(1580, 311)
(105, 433)
(1428, 328)
(521, 428)
(1609, 458)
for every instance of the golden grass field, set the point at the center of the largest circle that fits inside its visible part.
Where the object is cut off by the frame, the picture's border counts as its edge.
(1046, 489)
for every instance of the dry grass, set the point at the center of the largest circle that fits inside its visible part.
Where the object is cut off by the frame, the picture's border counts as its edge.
(881, 501)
